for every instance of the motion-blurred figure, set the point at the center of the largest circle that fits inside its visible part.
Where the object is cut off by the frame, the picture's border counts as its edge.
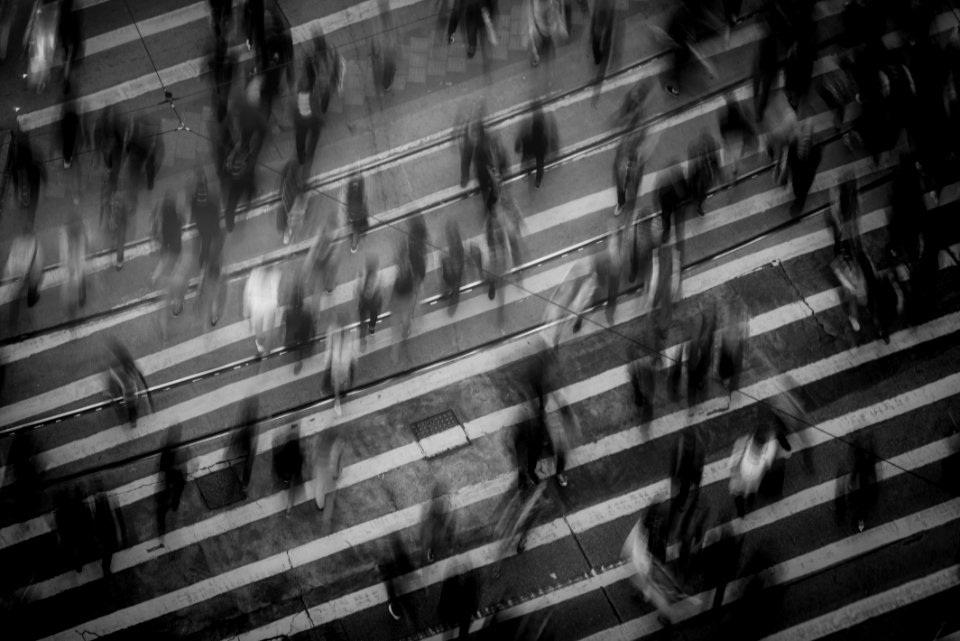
(533, 434)
(601, 33)
(700, 353)
(438, 526)
(253, 27)
(733, 339)
(546, 28)
(327, 67)
(124, 380)
(212, 296)
(452, 265)
(144, 151)
(246, 440)
(859, 488)
(765, 70)
(70, 132)
(322, 263)
(327, 465)
(70, 32)
(28, 176)
(537, 139)
(671, 195)
(845, 211)
(24, 269)
(645, 551)
(205, 212)
(74, 527)
(43, 45)
(293, 206)
(110, 528)
(751, 459)
(459, 598)
(628, 166)
(340, 360)
(354, 210)
(299, 324)
(288, 462)
(736, 132)
(369, 298)
(260, 300)
(477, 18)
(307, 120)
(221, 12)
(278, 58)
(516, 515)
(172, 479)
(224, 65)
(472, 136)
(703, 170)
(685, 476)
(73, 254)
(383, 51)
(853, 282)
(393, 571)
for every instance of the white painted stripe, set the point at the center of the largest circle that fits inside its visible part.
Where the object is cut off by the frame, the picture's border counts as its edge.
(444, 441)
(145, 28)
(634, 503)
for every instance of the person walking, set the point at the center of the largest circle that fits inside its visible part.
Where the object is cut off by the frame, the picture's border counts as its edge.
(260, 296)
(327, 466)
(306, 121)
(288, 463)
(322, 263)
(73, 254)
(537, 138)
(24, 269)
(354, 210)
(205, 212)
(452, 265)
(546, 28)
(369, 298)
(111, 531)
(172, 479)
(340, 361)
(751, 459)
(126, 382)
(299, 325)
(703, 169)
(601, 31)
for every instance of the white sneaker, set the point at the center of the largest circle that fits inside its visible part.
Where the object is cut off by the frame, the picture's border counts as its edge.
(396, 617)
(259, 346)
(336, 407)
(286, 236)
(618, 210)
(855, 324)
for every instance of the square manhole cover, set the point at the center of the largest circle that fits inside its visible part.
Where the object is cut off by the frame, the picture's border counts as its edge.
(220, 488)
(440, 433)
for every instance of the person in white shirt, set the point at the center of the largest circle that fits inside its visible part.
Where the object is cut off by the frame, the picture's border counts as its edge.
(260, 300)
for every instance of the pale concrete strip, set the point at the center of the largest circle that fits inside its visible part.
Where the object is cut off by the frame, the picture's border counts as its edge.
(145, 28)
(345, 292)
(631, 503)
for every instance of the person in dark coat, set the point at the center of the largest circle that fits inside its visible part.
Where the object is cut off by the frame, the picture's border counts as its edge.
(306, 122)
(299, 324)
(206, 216)
(74, 527)
(764, 73)
(470, 14)
(110, 529)
(70, 34)
(736, 131)
(246, 443)
(700, 355)
(28, 176)
(172, 480)
(369, 298)
(601, 31)
(704, 169)
(69, 132)
(452, 265)
(472, 136)
(628, 171)
(803, 159)
(288, 463)
(221, 11)
(671, 194)
(537, 139)
(240, 181)
(224, 65)
(253, 25)
(326, 70)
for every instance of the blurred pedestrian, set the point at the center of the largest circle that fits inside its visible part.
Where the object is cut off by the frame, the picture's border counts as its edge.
(491, 166)
(546, 28)
(765, 70)
(240, 178)
(459, 598)
(299, 325)
(736, 132)
(803, 159)
(323, 260)
(860, 486)
(672, 192)
(254, 27)
(733, 339)
(247, 439)
(205, 211)
(369, 298)
(452, 265)
(628, 171)
(686, 475)
(170, 272)
(845, 212)
(751, 459)
(798, 71)
(700, 354)
(328, 70)
(172, 479)
(537, 138)
(438, 525)
(472, 136)
(70, 34)
(73, 254)
(260, 300)
(417, 241)
(28, 175)
(221, 12)
(212, 296)
(340, 360)
(477, 19)
(394, 571)
(306, 121)
(126, 382)
(110, 528)
(288, 462)
(383, 51)
(278, 57)
(354, 210)
(224, 66)
(108, 139)
(403, 298)
(327, 466)
(144, 149)
(703, 171)
(24, 269)
(70, 132)
(293, 205)
(74, 526)
(853, 283)
(601, 31)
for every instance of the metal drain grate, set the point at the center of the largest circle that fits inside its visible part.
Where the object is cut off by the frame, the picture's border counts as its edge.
(440, 433)
(221, 488)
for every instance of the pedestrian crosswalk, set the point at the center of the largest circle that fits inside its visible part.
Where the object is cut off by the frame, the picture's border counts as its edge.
(248, 571)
